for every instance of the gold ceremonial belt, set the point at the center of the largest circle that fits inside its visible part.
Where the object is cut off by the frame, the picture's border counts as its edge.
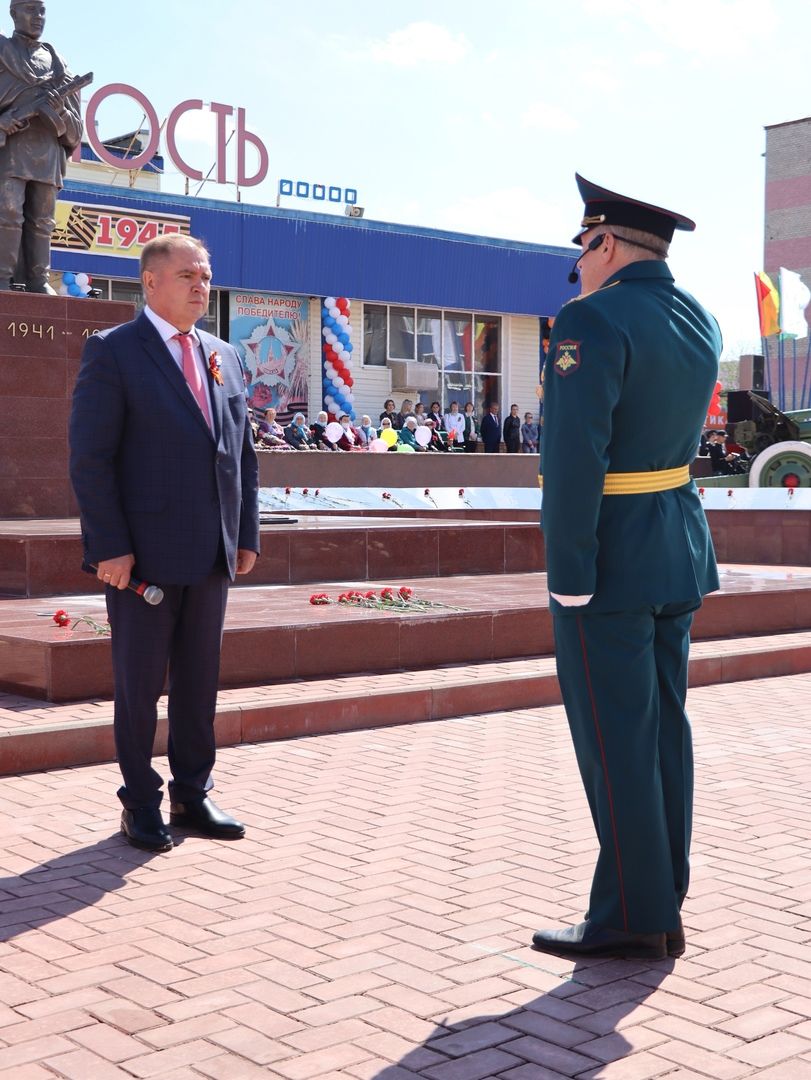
(638, 483)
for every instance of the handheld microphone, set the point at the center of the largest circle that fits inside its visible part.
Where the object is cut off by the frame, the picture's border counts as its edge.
(151, 593)
(595, 243)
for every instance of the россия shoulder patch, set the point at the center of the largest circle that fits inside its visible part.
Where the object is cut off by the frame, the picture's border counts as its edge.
(567, 359)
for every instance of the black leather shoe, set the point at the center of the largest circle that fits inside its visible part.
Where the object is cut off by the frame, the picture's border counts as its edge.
(144, 828)
(205, 817)
(589, 939)
(675, 940)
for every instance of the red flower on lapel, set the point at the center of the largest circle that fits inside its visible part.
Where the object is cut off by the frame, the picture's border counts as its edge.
(214, 365)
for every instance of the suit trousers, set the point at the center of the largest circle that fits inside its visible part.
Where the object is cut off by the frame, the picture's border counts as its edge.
(623, 676)
(183, 635)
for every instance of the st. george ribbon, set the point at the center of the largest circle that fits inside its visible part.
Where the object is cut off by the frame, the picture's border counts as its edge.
(151, 593)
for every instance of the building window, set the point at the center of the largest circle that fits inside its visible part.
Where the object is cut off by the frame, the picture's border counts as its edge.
(429, 337)
(402, 339)
(465, 346)
(375, 339)
(129, 292)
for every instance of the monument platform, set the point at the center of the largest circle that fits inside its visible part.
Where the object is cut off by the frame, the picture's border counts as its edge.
(40, 558)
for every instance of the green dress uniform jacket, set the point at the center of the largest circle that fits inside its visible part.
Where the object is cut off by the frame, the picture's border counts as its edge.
(629, 376)
(628, 379)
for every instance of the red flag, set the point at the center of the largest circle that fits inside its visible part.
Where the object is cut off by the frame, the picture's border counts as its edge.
(768, 305)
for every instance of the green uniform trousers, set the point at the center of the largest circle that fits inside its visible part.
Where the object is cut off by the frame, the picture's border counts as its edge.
(623, 676)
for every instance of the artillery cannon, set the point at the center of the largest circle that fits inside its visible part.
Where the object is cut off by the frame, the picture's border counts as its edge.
(779, 444)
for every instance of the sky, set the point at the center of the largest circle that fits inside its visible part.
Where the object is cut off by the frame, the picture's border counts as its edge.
(474, 116)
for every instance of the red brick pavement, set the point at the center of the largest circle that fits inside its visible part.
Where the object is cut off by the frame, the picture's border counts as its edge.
(374, 922)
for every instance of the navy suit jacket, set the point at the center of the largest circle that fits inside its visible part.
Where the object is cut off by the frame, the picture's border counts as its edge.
(490, 429)
(150, 476)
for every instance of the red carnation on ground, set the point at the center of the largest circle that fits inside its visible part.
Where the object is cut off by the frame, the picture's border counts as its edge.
(305, 491)
(427, 492)
(287, 490)
(405, 592)
(461, 493)
(61, 617)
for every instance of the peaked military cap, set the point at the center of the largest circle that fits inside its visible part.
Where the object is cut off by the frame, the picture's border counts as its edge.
(604, 207)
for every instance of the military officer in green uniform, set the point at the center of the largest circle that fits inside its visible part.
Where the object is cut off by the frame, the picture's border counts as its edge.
(631, 368)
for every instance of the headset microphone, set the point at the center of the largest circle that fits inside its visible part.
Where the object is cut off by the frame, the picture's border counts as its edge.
(595, 243)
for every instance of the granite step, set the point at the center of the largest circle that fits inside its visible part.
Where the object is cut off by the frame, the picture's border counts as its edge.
(36, 735)
(273, 634)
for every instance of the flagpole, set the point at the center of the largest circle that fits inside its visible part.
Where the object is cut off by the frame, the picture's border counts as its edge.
(767, 375)
(805, 397)
(781, 373)
(794, 374)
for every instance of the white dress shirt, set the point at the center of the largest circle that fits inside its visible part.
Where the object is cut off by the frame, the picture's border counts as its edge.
(167, 333)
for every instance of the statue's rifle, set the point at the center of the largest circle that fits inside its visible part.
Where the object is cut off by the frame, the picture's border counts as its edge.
(32, 107)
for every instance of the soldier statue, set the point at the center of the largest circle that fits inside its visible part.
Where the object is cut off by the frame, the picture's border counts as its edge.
(40, 125)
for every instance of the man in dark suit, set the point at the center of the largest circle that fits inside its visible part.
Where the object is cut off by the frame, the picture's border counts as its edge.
(165, 474)
(629, 559)
(491, 429)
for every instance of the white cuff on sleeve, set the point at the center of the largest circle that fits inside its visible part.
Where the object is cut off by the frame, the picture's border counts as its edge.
(571, 601)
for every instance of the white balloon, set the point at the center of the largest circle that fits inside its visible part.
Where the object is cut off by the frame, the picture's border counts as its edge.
(348, 331)
(330, 302)
(423, 436)
(331, 338)
(82, 280)
(342, 320)
(334, 313)
(377, 446)
(333, 431)
(338, 347)
(325, 330)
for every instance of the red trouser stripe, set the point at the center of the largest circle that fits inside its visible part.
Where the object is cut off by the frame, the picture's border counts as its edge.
(596, 717)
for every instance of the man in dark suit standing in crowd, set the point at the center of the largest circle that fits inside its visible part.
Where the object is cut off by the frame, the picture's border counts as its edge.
(165, 474)
(491, 429)
(629, 558)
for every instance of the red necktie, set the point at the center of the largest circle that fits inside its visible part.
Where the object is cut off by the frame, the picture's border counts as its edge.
(192, 374)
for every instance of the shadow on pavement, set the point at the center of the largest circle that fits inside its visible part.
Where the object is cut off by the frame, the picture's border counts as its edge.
(549, 1037)
(67, 884)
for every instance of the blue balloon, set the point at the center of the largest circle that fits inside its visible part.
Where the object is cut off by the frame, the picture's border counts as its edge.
(344, 339)
(74, 290)
(349, 347)
(68, 278)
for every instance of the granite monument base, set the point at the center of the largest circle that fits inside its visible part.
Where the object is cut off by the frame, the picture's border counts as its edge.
(41, 341)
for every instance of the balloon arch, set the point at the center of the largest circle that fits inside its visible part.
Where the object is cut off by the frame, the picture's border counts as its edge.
(337, 349)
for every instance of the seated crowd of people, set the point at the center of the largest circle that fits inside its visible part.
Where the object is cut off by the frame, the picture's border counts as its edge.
(453, 430)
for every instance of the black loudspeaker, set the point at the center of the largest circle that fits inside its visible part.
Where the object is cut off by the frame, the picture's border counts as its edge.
(752, 374)
(740, 406)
